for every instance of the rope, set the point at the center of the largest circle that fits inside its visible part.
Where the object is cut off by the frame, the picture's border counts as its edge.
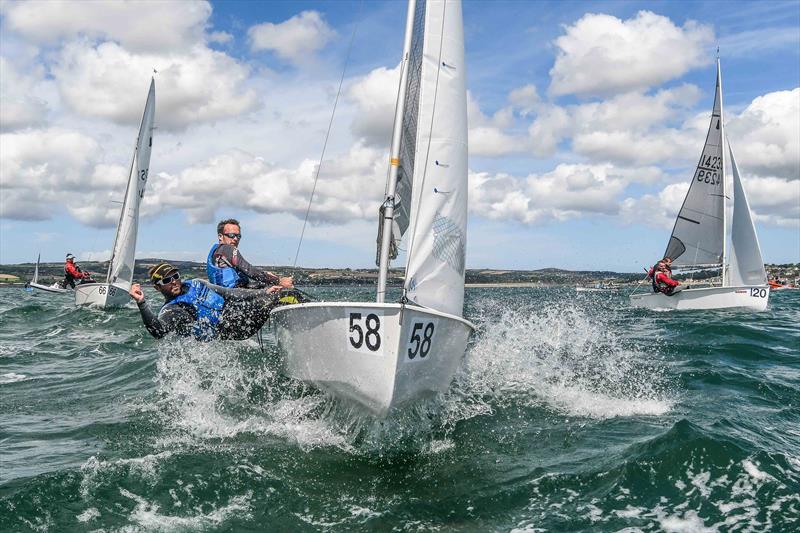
(327, 134)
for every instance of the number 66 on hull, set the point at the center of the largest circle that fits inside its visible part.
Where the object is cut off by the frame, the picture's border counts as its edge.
(377, 355)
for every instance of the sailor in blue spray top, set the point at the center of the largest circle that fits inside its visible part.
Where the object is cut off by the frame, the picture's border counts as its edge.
(226, 266)
(198, 308)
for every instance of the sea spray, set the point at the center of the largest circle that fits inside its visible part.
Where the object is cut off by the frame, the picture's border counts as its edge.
(570, 355)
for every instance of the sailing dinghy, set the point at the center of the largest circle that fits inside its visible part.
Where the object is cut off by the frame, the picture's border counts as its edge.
(34, 283)
(699, 237)
(114, 292)
(384, 355)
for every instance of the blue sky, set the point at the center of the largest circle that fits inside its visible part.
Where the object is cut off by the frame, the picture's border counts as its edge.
(585, 122)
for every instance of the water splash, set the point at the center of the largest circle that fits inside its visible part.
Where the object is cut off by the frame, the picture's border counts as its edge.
(570, 356)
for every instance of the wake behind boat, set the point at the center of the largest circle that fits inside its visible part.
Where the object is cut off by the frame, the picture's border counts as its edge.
(699, 237)
(114, 292)
(386, 355)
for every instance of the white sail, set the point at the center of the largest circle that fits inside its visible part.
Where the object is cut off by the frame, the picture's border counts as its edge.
(438, 227)
(746, 263)
(699, 233)
(36, 270)
(120, 270)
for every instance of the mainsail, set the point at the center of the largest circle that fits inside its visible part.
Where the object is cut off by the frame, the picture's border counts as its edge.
(699, 233)
(36, 270)
(120, 269)
(437, 236)
(746, 263)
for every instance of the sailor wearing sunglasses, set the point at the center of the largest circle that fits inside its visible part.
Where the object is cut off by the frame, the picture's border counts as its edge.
(226, 266)
(200, 309)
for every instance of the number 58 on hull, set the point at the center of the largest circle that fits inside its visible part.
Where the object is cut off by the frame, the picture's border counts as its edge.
(377, 355)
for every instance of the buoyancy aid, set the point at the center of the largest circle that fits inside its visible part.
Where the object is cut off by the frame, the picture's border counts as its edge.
(657, 287)
(222, 276)
(207, 304)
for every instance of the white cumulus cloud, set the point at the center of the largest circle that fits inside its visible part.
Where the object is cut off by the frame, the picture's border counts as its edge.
(108, 82)
(294, 40)
(137, 25)
(766, 135)
(21, 108)
(601, 54)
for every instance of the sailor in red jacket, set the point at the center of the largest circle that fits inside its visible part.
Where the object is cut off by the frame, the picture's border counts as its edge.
(73, 272)
(662, 282)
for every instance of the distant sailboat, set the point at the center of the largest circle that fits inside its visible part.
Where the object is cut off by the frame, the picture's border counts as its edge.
(34, 283)
(114, 292)
(699, 237)
(385, 355)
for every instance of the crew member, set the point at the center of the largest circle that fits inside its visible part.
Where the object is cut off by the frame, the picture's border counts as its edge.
(662, 282)
(226, 267)
(196, 307)
(72, 272)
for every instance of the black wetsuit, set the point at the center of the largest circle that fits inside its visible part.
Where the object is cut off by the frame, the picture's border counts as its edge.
(244, 313)
(250, 277)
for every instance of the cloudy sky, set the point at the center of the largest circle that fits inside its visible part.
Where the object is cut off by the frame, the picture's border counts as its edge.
(586, 119)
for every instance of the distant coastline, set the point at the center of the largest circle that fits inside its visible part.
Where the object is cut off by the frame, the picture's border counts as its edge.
(474, 278)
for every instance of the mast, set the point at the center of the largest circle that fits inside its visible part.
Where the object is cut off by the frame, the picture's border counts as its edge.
(724, 195)
(394, 158)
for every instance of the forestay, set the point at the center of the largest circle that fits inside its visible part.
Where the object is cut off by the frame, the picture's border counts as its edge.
(746, 263)
(698, 235)
(120, 269)
(437, 237)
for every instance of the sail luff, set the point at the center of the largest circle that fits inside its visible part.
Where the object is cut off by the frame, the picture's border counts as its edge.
(36, 270)
(725, 280)
(124, 207)
(123, 255)
(394, 158)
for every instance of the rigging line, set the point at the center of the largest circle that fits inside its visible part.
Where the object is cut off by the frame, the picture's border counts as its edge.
(428, 148)
(328, 133)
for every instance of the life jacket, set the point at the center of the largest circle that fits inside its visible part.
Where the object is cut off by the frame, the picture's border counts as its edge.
(657, 287)
(224, 277)
(291, 297)
(72, 270)
(207, 304)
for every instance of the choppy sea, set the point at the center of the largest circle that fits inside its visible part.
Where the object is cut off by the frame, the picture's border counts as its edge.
(570, 412)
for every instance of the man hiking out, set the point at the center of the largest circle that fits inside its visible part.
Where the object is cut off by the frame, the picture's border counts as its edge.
(200, 309)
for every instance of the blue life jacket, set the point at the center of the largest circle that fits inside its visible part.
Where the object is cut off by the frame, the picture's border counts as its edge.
(207, 304)
(224, 277)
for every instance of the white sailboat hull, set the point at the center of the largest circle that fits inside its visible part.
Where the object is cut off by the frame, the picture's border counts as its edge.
(101, 295)
(47, 288)
(380, 356)
(753, 297)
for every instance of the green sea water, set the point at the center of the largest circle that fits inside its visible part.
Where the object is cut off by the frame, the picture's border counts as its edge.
(571, 412)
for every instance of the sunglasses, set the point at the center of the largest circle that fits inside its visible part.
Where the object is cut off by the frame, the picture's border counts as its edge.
(233, 235)
(166, 281)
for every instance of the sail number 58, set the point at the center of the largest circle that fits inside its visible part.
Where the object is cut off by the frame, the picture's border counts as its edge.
(364, 331)
(420, 340)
